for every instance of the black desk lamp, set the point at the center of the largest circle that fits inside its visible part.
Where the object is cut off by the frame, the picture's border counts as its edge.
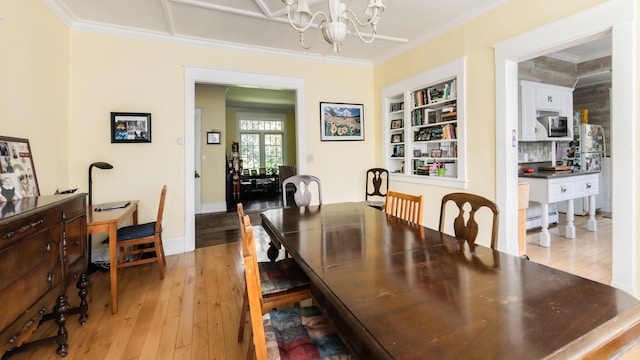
(91, 267)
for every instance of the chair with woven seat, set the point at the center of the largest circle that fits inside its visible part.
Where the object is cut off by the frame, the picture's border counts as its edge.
(468, 230)
(283, 282)
(376, 187)
(280, 333)
(302, 195)
(404, 206)
(136, 245)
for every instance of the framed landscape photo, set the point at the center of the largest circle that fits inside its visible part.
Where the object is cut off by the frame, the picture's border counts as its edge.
(396, 124)
(341, 122)
(396, 138)
(130, 127)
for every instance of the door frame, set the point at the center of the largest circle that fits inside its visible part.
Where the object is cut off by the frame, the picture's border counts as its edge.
(614, 17)
(202, 75)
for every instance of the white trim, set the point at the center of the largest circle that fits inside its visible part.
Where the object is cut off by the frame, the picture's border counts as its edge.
(196, 75)
(615, 16)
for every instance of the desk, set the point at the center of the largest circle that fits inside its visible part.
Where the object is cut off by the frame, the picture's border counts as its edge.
(108, 222)
(401, 291)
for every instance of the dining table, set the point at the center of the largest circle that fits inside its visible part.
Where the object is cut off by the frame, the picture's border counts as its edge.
(397, 290)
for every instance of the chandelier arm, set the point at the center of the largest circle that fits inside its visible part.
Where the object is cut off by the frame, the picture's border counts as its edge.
(354, 18)
(303, 28)
(372, 34)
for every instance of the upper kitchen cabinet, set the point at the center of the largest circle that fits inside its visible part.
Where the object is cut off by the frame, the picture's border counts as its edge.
(538, 100)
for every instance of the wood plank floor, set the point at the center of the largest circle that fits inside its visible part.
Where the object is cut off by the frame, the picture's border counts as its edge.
(194, 312)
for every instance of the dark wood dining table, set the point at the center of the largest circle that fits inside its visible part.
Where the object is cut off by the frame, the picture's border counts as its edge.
(396, 290)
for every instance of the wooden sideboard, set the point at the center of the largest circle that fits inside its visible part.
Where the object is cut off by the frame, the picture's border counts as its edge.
(42, 251)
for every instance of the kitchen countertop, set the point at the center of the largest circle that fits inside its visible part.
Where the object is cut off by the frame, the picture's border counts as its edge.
(554, 174)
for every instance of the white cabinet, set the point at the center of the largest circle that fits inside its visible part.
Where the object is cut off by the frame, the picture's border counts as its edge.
(537, 99)
(563, 189)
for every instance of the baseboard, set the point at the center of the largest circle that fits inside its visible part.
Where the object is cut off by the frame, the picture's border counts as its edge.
(214, 207)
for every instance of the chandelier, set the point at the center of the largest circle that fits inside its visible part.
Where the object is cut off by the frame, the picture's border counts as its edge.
(334, 25)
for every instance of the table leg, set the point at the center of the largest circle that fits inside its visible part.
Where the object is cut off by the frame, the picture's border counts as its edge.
(592, 224)
(113, 267)
(570, 228)
(544, 238)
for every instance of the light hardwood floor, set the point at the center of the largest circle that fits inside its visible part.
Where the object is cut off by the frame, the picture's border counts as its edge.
(194, 312)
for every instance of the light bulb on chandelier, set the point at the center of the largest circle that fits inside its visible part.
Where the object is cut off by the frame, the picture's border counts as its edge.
(333, 26)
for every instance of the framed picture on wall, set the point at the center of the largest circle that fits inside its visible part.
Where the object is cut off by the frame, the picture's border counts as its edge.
(340, 122)
(17, 172)
(130, 127)
(213, 137)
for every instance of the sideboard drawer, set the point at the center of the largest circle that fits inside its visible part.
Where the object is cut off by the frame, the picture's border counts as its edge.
(29, 269)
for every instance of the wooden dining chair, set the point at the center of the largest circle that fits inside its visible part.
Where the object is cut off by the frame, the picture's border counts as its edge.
(376, 187)
(404, 206)
(283, 282)
(294, 330)
(468, 230)
(302, 195)
(136, 245)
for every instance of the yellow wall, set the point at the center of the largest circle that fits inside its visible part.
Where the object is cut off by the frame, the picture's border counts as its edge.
(59, 86)
(213, 158)
(121, 74)
(34, 82)
(474, 40)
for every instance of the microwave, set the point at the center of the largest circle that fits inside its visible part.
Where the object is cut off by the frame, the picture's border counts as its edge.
(556, 126)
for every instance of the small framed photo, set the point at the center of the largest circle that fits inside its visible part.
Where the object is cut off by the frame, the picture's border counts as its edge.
(396, 124)
(213, 137)
(396, 138)
(417, 153)
(436, 153)
(569, 162)
(130, 127)
(341, 122)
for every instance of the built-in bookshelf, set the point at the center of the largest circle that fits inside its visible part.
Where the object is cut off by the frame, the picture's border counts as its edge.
(424, 127)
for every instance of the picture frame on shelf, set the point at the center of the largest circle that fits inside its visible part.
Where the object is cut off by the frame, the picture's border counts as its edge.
(396, 138)
(396, 124)
(128, 127)
(16, 165)
(341, 122)
(436, 153)
(417, 153)
(213, 137)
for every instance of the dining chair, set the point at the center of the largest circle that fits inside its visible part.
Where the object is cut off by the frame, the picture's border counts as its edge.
(283, 282)
(404, 206)
(302, 195)
(136, 245)
(376, 178)
(468, 230)
(284, 332)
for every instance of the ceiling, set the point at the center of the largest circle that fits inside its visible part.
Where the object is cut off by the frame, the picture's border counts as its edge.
(261, 25)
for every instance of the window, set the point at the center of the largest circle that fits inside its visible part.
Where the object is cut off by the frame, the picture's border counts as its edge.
(261, 140)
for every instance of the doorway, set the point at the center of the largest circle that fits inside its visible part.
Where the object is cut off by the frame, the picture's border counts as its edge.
(615, 17)
(200, 75)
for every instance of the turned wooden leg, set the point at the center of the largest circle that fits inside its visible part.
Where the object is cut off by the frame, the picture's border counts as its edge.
(272, 252)
(60, 309)
(82, 285)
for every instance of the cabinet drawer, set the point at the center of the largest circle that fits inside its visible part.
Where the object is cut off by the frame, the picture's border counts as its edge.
(29, 269)
(13, 232)
(20, 329)
(561, 190)
(75, 242)
(588, 186)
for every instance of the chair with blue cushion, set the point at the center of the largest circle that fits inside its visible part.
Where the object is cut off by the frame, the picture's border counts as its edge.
(136, 245)
(295, 332)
